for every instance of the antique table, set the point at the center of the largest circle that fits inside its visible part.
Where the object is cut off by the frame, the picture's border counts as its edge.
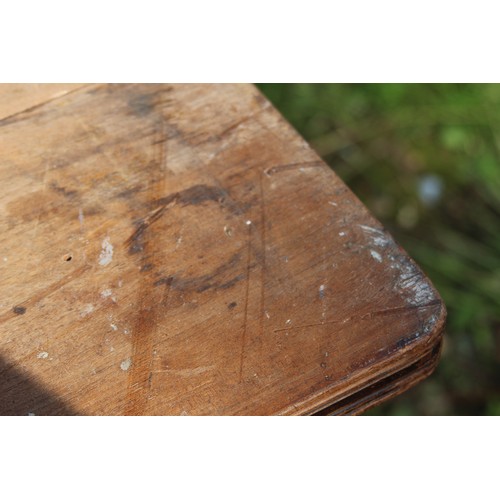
(181, 250)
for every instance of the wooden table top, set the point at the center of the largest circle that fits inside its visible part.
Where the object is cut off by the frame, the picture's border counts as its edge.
(181, 250)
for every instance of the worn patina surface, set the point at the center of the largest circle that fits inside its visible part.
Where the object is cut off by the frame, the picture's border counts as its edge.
(180, 249)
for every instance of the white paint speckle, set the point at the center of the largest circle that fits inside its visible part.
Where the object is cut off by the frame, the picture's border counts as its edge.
(106, 293)
(126, 332)
(288, 321)
(378, 237)
(342, 233)
(267, 315)
(332, 203)
(410, 281)
(43, 355)
(87, 309)
(120, 283)
(248, 222)
(430, 323)
(376, 255)
(321, 291)
(126, 364)
(106, 255)
(113, 327)
(80, 216)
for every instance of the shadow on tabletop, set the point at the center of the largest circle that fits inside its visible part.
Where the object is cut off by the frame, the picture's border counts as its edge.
(21, 394)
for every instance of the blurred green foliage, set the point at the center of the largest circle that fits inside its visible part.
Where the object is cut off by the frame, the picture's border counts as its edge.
(425, 159)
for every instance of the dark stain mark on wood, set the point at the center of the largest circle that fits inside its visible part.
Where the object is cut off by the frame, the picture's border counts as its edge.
(217, 279)
(232, 282)
(128, 193)
(136, 247)
(68, 193)
(143, 105)
(220, 286)
(195, 195)
(201, 193)
(136, 242)
(91, 210)
(232, 305)
(164, 281)
(169, 131)
(232, 127)
(146, 267)
(45, 204)
(19, 309)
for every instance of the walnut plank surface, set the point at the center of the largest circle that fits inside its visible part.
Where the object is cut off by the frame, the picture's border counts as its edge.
(181, 250)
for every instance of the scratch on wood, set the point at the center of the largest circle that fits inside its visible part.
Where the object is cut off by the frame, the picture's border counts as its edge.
(235, 126)
(395, 310)
(369, 315)
(293, 166)
(247, 291)
(39, 213)
(140, 375)
(263, 266)
(163, 148)
(14, 117)
(323, 286)
(144, 224)
(46, 292)
(186, 372)
(141, 360)
(97, 140)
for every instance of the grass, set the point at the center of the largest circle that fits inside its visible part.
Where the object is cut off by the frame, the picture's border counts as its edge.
(425, 159)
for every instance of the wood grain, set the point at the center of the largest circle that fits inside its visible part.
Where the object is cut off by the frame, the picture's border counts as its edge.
(181, 250)
(16, 98)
